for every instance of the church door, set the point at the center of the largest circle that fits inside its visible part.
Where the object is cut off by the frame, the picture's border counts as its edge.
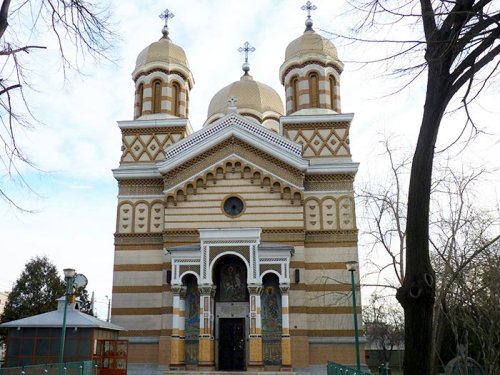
(232, 344)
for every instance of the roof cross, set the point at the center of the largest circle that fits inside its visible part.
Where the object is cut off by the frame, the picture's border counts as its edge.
(309, 6)
(245, 49)
(166, 15)
(232, 101)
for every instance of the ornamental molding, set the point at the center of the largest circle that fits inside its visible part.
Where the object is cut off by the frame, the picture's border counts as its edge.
(142, 171)
(288, 186)
(171, 124)
(233, 125)
(329, 119)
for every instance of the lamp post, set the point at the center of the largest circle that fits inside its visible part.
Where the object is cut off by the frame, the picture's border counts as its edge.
(351, 267)
(69, 277)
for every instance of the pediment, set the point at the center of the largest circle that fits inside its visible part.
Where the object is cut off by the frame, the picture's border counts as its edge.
(260, 173)
(233, 126)
(236, 150)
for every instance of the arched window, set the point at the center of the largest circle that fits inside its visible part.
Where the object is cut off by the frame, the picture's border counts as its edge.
(333, 93)
(156, 86)
(187, 103)
(313, 90)
(294, 83)
(140, 99)
(176, 94)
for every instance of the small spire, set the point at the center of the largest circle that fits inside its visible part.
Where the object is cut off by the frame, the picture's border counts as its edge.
(246, 49)
(308, 7)
(166, 15)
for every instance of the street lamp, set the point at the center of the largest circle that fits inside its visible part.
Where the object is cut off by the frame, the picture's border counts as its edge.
(69, 277)
(73, 280)
(352, 267)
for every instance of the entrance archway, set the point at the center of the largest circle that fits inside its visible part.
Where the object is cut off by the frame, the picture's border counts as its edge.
(231, 313)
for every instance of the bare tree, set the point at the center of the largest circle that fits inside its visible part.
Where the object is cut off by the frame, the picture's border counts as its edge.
(464, 242)
(383, 204)
(462, 237)
(79, 28)
(384, 326)
(456, 43)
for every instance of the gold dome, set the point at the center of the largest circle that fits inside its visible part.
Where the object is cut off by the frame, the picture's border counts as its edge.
(310, 47)
(162, 54)
(310, 43)
(253, 98)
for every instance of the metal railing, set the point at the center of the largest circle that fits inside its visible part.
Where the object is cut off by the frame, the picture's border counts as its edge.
(336, 369)
(70, 368)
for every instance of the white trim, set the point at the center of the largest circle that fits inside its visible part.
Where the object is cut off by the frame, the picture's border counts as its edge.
(153, 123)
(136, 171)
(304, 119)
(252, 235)
(334, 167)
(228, 126)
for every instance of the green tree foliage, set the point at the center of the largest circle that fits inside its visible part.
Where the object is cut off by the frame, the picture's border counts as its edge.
(35, 291)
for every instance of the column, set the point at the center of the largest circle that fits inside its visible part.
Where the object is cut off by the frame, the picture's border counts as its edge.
(286, 349)
(206, 353)
(176, 347)
(182, 322)
(255, 346)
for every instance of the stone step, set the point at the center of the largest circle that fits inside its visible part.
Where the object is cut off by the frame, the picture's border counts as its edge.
(191, 372)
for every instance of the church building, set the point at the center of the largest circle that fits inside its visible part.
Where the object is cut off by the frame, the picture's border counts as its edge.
(231, 242)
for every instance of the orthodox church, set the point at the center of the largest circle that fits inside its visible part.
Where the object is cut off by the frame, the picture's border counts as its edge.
(231, 242)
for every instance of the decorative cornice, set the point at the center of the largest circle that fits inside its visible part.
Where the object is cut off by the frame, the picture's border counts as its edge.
(142, 171)
(138, 238)
(172, 124)
(317, 119)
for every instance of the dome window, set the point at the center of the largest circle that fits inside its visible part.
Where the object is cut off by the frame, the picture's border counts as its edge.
(313, 90)
(295, 93)
(140, 99)
(333, 94)
(176, 93)
(156, 96)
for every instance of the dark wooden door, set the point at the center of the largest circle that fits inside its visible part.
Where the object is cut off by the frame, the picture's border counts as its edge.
(232, 344)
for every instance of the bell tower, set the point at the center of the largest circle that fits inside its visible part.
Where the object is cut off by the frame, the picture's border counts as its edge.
(162, 78)
(311, 72)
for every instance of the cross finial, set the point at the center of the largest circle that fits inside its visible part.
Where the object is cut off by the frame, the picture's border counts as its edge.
(231, 101)
(308, 7)
(166, 15)
(246, 49)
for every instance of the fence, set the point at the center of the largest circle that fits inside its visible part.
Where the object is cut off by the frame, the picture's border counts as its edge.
(70, 368)
(336, 369)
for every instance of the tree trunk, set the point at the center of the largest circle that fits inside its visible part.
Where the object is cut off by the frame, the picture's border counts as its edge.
(416, 295)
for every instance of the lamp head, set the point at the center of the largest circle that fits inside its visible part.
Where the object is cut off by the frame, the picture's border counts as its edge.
(351, 266)
(69, 273)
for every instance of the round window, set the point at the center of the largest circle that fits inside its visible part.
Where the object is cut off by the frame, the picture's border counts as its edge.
(233, 206)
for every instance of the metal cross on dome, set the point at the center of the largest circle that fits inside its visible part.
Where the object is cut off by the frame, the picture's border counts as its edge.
(245, 49)
(166, 15)
(309, 6)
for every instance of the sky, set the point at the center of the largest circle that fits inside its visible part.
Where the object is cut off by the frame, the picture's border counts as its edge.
(77, 142)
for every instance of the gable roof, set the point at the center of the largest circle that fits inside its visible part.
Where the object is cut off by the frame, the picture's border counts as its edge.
(233, 125)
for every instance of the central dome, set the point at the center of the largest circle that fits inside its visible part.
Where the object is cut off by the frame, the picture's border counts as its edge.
(253, 99)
